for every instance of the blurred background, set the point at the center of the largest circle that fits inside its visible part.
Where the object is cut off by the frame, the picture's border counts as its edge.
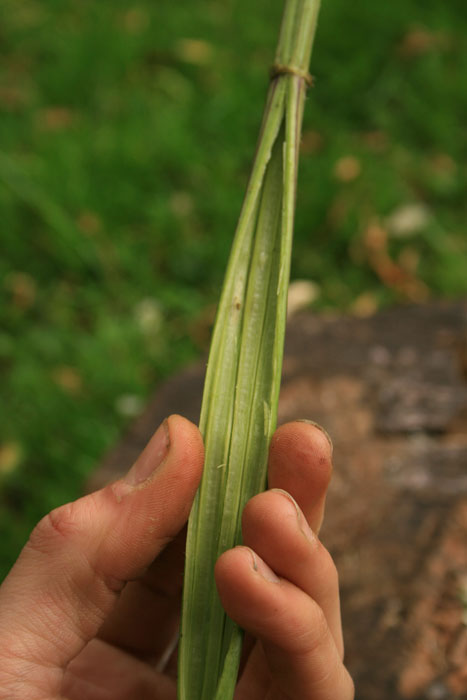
(127, 131)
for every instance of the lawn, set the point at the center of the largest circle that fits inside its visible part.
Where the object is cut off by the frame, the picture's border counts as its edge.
(126, 137)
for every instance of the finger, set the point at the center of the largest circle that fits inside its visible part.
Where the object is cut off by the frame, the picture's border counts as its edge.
(300, 462)
(300, 651)
(80, 556)
(276, 529)
(150, 603)
(102, 672)
(300, 459)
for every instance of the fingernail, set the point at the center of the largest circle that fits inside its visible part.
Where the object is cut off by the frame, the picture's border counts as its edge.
(152, 456)
(320, 427)
(262, 568)
(301, 520)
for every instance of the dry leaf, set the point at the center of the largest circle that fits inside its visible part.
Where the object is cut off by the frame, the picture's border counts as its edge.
(129, 405)
(443, 163)
(10, 457)
(135, 20)
(376, 140)
(14, 97)
(148, 315)
(399, 276)
(55, 118)
(375, 237)
(365, 304)
(409, 259)
(312, 141)
(301, 294)
(23, 289)
(68, 379)
(347, 168)
(89, 223)
(420, 40)
(182, 204)
(408, 219)
(194, 51)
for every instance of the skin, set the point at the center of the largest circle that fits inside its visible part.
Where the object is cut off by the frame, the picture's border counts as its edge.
(90, 610)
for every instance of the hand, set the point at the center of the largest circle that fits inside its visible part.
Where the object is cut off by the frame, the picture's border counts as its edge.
(90, 610)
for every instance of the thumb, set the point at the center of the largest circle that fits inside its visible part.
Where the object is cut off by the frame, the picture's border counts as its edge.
(80, 556)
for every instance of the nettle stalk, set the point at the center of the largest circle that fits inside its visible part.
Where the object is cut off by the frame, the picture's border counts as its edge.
(239, 409)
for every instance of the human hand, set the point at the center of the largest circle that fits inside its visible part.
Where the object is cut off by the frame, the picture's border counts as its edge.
(92, 605)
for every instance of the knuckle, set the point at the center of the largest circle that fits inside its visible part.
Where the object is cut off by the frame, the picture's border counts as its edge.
(319, 631)
(252, 513)
(314, 631)
(55, 529)
(329, 569)
(349, 686)
(333, 678)
(342, 682)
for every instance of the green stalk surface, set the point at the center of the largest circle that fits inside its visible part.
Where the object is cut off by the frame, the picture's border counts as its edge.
(239, 409)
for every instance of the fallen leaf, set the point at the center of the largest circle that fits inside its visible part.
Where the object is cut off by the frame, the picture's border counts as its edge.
(375, 237)
(89, 222)
(11, 455)
(409, 259)
(347, 168)
(376, 140)
(14, 97)
(23, 289)
(312, 142)
(129, 405)
(396, 275)
(196, 51)
(443, 163)
(135, 20)
(148, 315)
(68, 379)
(408, 219)
(302, 293)
(339, 209)
(365, 305)
(55, 118)
(182, 204)
(420, 40)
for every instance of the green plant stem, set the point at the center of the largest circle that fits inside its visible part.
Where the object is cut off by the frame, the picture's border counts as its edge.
(239, 409)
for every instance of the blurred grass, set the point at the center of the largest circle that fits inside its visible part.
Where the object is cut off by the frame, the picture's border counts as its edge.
(126, 135)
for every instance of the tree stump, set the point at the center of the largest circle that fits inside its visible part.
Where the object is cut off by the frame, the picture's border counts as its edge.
(391, 389)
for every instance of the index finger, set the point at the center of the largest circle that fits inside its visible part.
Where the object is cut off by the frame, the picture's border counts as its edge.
(300, 462)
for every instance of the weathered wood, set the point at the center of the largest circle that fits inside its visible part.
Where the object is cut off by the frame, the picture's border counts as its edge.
(391, 390)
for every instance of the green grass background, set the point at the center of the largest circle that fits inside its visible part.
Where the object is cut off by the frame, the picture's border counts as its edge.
(126, 136)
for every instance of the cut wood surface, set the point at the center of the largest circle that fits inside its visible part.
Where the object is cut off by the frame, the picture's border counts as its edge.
(391, 389)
